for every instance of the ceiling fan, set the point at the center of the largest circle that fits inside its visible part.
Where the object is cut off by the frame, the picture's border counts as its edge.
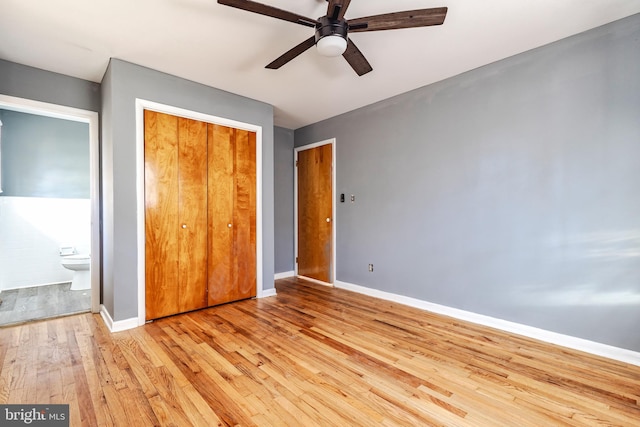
(331, 31)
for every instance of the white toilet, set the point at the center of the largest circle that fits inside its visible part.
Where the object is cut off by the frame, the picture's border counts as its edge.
(80, 265)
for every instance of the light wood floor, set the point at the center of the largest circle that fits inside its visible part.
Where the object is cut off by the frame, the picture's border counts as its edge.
(310, 356)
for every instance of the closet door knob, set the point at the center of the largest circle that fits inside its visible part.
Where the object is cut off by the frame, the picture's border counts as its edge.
(328, 219)
(229, 225)
(184, 225)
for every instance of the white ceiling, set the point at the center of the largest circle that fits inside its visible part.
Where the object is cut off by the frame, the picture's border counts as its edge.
(228, 48)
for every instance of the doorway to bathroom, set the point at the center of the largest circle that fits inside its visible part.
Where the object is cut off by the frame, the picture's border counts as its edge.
(49, 234)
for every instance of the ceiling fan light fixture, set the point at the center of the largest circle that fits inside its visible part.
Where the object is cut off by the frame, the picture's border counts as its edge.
(331, 36)
(331, 45)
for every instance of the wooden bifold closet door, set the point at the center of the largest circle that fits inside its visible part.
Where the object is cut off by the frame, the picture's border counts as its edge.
(232, 207)
(200, 214)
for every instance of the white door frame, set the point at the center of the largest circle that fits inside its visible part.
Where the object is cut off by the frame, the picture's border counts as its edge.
(91, 118)
(141, 105)
(334, 219)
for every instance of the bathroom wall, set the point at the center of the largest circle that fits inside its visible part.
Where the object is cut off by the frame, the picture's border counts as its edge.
(44, 156)
(45, 203)
(31, 231)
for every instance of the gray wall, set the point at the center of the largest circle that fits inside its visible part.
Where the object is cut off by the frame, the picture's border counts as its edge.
(511, 191)
(106, 180)
(122, 84)
(283, 195)
(44, 156)
(32, 83)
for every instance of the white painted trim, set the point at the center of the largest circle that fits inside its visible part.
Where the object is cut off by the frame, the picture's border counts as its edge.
(295, 212)
(334, 220)
(284, 275)
(121, 325)
(0, 156)
(598, 349)
(84, 116)
(268, 293)
(141, 105)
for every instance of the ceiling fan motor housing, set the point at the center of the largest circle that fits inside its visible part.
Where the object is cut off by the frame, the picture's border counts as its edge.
(328, 26)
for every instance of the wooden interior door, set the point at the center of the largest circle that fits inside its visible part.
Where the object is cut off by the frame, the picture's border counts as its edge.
(315, 213)
(232, 214)
(175, 214)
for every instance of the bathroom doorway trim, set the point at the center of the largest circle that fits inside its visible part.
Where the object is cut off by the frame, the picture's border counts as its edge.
(30, 106)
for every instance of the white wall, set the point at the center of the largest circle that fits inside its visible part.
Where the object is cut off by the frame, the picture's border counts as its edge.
(32, 230)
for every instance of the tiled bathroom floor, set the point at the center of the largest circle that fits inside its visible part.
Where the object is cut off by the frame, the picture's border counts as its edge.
(41, 302)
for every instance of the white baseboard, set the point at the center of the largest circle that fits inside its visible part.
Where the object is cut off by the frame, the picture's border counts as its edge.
(267, 293)
(120, 325)
(604, 350)
(284, 275)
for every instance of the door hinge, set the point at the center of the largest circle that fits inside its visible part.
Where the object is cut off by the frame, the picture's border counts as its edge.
(296, 260)
(296, 163)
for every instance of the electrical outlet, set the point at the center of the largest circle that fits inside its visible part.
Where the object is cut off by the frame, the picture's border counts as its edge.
(371, 268)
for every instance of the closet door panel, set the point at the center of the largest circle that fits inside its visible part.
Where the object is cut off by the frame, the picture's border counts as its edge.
(192, 212)
(161, 215)
(220, 206)
(245, 215)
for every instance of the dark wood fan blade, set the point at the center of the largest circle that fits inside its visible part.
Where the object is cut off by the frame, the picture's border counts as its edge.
(397, 20)
(292, 53)
(337, 8)
(356, 59)
(271, 11)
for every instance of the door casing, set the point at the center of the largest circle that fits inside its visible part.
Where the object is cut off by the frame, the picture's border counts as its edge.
(334, 220)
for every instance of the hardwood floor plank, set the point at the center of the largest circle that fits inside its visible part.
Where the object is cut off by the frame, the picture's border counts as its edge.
(312, 356)
(210, 384)
(9, 366)
(197, 409)
(85, 403)
(118, 407)
(6, 363)
(297, 409)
